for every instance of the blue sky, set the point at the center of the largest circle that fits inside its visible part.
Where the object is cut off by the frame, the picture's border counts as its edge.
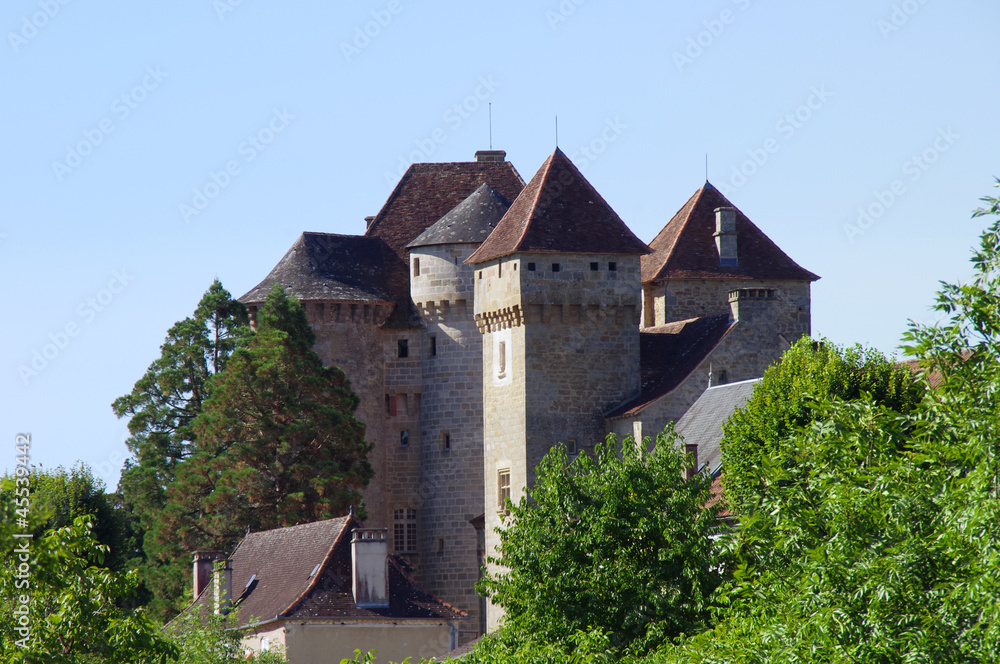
(152, 147)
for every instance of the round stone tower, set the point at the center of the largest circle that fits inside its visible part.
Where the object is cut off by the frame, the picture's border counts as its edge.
(451, 540)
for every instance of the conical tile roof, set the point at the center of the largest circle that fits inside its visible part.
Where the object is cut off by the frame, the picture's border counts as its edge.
(559, 211)
(469, 222)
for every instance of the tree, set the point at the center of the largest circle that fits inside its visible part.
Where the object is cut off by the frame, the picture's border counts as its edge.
(781, 403)
(877, 537)
(60, 608)
(618, 544)
(277, 443)
(162, 408)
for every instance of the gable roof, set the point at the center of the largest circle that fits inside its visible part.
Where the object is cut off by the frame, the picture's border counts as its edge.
(685, 248)
(304, 571)
(324, 266)
(427, 192)
(701, 425)
(469, 222)
(559, 212)
(669, 353)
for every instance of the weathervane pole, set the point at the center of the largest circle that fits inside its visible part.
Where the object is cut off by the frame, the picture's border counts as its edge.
(557, 131)
(491, 125)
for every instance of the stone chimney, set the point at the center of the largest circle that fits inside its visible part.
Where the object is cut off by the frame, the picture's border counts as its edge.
(369, 567)
(691, 470)
(203, 564)
(725, 235)
(491, 155)
(223, 583)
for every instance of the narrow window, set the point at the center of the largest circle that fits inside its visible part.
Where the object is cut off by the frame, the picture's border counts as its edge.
(405, 531)
(612, 266)
(594, 267)
(433, 350)
(416, 267)
(480, 274)
(440, 545)
(499, 269)
(571, 447)
(445, 441)
(531, 267)
(390, 405)
(555, 267)
(404, 438)
(501, 359)
(515, 267)
(404, 347)
(503, 491)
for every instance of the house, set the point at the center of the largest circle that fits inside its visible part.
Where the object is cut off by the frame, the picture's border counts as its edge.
(321, 590)
(482, 319)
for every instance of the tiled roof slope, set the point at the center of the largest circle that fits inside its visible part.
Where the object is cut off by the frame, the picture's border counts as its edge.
(324, 266)
(426, 192)
(701, 425)
(669, 353)
(469, 222)
(281, 563)
(685, 248)
(559, 212)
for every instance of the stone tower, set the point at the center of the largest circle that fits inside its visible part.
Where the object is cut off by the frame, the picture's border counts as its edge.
(451, 427)
(557, 298)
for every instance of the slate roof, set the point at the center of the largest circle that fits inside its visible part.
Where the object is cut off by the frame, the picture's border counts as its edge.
(685, 248)
(669, 353)
(324, 266)
(469, 222)
(701, 425)
(559, 212)
(281, 563)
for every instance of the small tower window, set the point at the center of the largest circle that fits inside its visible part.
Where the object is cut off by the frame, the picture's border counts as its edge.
(433, 349)
(416, 267)
(531, 267)
(556, 267)
(572, 449)
(594, 266)
(503, 491)
(404, 438)
(501, 359)
(390, 405)
(480, 274)
(445, 441)
(405, 531)
(612, 266)
(404, 348)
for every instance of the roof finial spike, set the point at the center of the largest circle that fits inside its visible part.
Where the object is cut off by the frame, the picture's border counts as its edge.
(706, 167)
(557, 132)
(350, 511)
(491, 125)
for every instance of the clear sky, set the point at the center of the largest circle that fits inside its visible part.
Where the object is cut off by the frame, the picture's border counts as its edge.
(149, 148)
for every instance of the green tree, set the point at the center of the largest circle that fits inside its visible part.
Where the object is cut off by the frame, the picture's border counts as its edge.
(162, 408)
(781, 403)
(277, 443)
(618, 544)
(61, 609)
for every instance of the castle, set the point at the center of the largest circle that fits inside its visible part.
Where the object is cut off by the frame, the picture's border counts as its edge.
(481, 320)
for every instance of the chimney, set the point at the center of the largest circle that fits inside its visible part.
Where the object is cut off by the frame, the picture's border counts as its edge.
(203, 562)
(725, 235)
(691, 470)
(368, 220)
(369, 567)
(491, 155)
(223, 587)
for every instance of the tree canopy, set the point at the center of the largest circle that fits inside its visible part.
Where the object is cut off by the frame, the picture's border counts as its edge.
(618, 544)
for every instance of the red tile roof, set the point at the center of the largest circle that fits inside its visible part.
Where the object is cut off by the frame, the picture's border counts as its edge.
(685, 248)
(559, 212)
(427, 192)
(669, 353)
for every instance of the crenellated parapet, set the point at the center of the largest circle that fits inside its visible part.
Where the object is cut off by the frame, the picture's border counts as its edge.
(501, 319)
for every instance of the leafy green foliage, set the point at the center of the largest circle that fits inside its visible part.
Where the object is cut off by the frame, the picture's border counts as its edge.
(162, 408)
(276, 444)
(781, 403)
(619, 543)
(74, 608)
(210, 639)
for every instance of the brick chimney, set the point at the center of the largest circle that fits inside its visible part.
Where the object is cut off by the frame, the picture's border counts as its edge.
(725, 235)
(203, 564)
(369, 567)
(491, 155)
